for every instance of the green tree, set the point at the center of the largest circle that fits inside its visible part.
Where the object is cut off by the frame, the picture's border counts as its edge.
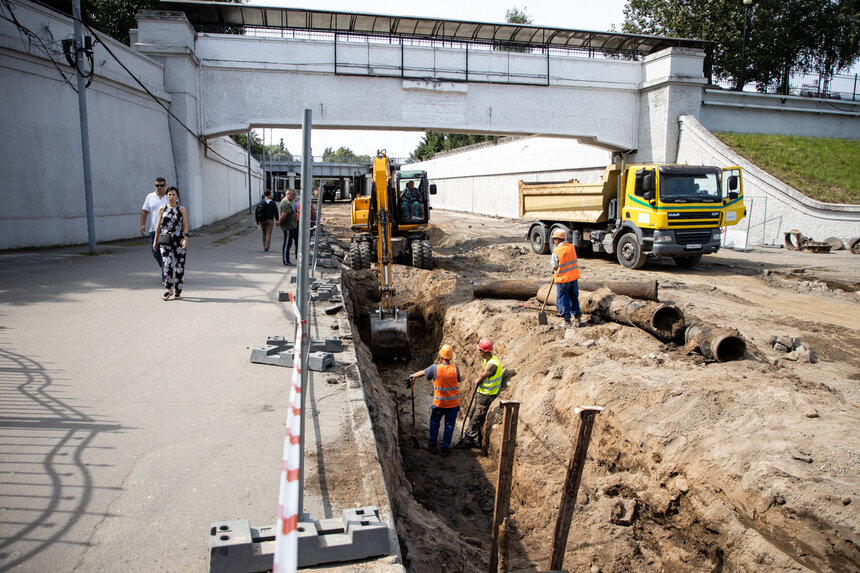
(434, 142)
(783, 36)
(241, 139)
(343, 155)
(117, 17)
(516, 16)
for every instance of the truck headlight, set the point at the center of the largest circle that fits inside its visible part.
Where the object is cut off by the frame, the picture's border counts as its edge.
(662, 238)
(716, 236)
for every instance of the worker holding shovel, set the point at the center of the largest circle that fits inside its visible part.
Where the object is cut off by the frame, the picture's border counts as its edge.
(487, 387)
(565, 267)
(446, 398)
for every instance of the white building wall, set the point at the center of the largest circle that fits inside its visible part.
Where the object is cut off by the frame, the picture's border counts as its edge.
(486, 180)
(773, 207)
(42, 190)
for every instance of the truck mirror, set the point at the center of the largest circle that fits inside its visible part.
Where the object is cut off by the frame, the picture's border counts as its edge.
(432, 188)
(733, 195)
(733, 182)
(647, 195)
(648, 182)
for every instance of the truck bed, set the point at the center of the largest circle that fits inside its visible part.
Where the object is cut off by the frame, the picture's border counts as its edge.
(569, 200)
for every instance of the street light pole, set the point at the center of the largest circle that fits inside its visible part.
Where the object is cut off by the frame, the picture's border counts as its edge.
(747, 4)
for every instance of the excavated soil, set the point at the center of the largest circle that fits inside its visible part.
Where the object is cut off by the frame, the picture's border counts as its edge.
(694, 465)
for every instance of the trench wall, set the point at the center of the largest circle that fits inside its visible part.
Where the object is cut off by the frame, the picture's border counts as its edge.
(773, 207)
(130, 141)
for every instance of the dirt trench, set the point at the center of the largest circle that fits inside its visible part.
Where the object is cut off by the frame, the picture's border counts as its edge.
(665, 486)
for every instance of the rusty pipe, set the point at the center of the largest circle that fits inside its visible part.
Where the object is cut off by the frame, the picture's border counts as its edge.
(524, 290)
(720, 344)
(663, 320)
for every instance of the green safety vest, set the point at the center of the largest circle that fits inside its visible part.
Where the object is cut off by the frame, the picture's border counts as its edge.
(491, 386)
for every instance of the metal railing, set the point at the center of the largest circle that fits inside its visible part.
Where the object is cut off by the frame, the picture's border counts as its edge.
(839, 86)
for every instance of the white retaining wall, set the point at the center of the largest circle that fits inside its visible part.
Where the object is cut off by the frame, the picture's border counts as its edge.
(42, 190)
(773, 207)
(485, 180)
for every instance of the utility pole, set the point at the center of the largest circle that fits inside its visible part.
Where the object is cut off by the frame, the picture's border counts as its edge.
(80, 50)
(250, 200)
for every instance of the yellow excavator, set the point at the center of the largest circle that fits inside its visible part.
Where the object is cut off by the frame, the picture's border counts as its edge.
(390, 224)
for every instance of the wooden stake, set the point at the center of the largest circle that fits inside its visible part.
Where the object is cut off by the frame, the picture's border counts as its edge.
(503, 482)
(571, 484)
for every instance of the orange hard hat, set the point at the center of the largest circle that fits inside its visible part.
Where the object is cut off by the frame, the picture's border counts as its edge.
(485, 345)
(559, 233)
(446, 352)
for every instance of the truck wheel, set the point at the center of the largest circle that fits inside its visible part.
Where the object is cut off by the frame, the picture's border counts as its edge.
(366, 254)
(538, 239)
(355, 256)
(630, 253)
(687, 262)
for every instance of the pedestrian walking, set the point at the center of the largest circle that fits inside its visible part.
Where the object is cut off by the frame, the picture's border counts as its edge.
(265, 215)
(487, 387)
(149, 217)
(288, 221)
(565, 266)
(446, 398)
(173, 241)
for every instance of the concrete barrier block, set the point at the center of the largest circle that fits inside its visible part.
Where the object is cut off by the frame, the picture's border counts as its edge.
(320, 361)
(262, 355)
(333, 344)
(283, 295)
(334, 309)
(279, 341)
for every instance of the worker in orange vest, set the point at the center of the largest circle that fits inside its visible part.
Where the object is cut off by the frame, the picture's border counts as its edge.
(565, 267)
(446, 398)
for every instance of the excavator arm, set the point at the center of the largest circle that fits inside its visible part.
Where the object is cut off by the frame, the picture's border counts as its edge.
(388, 325)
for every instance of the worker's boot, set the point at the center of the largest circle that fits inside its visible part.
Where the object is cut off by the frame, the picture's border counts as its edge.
(577, 321)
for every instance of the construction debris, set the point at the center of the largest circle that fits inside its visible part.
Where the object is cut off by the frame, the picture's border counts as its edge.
(797, 241)
(663, 320)
(720, 344)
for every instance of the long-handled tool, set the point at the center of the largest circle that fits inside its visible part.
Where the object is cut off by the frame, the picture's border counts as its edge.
(542, 315)
(466, 416)
(411, 383)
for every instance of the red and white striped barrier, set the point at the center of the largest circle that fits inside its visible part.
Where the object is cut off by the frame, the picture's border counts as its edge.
(287, 537)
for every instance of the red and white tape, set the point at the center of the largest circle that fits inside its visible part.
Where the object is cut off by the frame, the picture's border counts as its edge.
(287, 536)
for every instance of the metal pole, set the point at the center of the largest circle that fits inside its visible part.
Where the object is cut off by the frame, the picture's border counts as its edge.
(503, 481)
(302, 282)
(317, 229)
(250, 201)
(571, 484)
(85, 131)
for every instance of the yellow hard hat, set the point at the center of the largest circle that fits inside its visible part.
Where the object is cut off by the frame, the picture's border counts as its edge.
(446, 352)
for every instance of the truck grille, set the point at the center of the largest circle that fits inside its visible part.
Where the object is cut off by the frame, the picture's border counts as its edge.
(692, 237)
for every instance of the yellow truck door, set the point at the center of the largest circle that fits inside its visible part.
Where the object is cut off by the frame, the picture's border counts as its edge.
(734, 209)
(638, 208)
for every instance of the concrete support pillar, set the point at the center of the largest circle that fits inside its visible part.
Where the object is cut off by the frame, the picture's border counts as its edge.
(672, 86)
(168, 38)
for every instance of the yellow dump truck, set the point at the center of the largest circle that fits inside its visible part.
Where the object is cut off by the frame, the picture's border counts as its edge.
(637, 211)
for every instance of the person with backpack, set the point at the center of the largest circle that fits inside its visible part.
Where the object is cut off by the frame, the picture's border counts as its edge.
(265, 215)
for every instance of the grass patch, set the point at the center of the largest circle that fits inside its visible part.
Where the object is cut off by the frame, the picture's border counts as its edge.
(824, 169)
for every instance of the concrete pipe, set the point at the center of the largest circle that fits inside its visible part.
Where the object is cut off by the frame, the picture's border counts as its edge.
(662, 320)
(524, 290)
(719, 344)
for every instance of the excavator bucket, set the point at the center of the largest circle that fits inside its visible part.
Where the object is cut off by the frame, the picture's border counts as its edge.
(389, 335)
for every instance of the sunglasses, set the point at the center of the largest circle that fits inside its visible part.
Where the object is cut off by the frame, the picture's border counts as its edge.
(159, 184)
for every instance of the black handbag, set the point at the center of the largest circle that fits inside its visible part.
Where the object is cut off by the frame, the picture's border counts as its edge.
(164, 239)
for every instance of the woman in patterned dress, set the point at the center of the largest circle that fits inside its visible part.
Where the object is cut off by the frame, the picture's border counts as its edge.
(173, 222)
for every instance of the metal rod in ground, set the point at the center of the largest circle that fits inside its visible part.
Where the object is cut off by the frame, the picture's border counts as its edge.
(571, 484)
(505, 473)
(303, 284)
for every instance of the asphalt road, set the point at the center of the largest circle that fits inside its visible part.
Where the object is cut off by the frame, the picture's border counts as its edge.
(128, 425)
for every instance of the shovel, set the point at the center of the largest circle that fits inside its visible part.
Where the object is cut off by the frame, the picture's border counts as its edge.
(415, 443)
(542, 315)
(466, 417)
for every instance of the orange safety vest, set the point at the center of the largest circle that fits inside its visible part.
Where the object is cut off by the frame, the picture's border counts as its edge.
(568, 266)
(446, 388)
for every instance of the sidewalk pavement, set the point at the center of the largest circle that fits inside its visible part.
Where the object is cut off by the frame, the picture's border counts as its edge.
(129, 425)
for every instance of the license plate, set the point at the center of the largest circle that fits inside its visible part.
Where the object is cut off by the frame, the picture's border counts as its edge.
(693, 246)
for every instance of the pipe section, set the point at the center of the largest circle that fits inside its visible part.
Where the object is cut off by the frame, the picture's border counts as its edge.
(524, 290)
(718, 344)
(663, 320)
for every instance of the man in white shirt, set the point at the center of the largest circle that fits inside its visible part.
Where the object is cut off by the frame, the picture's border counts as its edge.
(149, 216)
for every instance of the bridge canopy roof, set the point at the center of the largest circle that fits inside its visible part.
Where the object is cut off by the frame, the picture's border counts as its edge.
(224, 14)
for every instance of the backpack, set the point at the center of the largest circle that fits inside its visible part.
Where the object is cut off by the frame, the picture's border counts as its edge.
(258, 213)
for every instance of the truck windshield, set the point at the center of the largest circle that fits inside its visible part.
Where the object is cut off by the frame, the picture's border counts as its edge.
(687, 188)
